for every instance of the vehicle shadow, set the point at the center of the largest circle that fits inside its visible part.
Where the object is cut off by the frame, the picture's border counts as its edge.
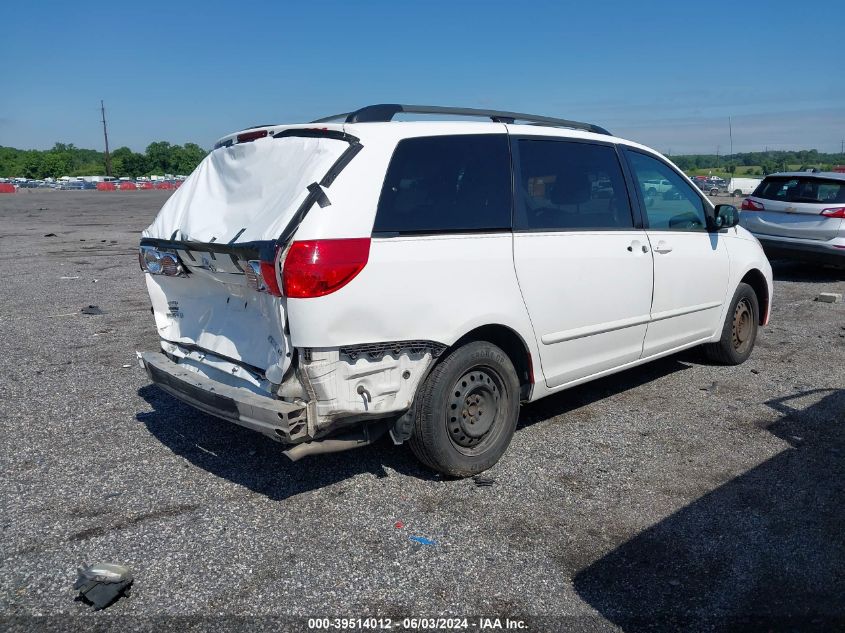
(789, 270)
(595, 390)
(252, 460)
(764, 551)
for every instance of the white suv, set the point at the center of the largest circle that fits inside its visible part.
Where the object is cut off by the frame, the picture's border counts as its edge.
(327, 283)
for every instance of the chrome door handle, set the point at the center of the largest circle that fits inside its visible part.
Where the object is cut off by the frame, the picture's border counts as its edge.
(663, 247)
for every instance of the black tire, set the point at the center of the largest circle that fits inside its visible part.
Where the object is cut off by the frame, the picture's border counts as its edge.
(736, 194)
(714, 192)
(652, 191)
(453, 433)
(739, 331)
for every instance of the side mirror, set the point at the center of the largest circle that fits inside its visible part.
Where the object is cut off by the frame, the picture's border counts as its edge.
(725, 217)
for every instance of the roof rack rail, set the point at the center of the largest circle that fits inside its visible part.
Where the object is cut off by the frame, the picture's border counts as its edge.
(386, 111)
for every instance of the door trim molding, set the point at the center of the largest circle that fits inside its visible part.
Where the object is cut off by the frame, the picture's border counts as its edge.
(590, 330)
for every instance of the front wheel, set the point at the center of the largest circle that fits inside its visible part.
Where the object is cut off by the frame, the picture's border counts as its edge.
(466, 411)
(739, 331)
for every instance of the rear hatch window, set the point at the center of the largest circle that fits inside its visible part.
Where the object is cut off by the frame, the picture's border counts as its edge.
(802, 189)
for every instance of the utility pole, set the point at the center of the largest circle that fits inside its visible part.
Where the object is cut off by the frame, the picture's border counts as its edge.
(106, 137)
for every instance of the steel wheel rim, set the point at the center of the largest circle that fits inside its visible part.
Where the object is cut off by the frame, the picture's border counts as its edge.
(743, 326)
(474, 414)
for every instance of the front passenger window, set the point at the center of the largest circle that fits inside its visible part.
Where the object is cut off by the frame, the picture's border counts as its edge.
(670, 203)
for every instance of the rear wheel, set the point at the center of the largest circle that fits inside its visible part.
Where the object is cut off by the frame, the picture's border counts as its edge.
(739, 331)
(737, 193)
(466, 411)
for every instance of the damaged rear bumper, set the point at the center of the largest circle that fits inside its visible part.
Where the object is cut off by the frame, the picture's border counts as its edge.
(283, 421)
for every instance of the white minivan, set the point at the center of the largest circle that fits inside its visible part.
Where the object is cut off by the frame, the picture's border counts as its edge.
(327, 283)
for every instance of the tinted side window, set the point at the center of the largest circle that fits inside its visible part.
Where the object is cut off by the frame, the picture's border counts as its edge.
(564, 185)
(447, 183)
(670, 203)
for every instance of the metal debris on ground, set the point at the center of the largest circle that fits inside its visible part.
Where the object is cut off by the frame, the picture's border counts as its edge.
(422, 540)
(101, 584)
(829, 297)
(91, 309)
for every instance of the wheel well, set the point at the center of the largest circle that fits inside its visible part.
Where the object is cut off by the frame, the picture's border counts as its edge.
(512, 345)
(757, 281)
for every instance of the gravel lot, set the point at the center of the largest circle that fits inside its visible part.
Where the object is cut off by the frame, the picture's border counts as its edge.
(677, 493)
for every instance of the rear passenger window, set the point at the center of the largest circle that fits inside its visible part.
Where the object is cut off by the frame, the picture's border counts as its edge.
(564, 185)
(447, 184)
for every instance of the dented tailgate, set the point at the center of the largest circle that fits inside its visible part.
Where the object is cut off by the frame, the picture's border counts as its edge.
(214, 309)
(235, 212)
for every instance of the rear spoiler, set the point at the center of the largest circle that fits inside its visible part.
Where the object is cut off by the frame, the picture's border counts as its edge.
(250, 134)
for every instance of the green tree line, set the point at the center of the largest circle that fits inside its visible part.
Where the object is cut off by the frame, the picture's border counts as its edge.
(766, 162)
(64, 159)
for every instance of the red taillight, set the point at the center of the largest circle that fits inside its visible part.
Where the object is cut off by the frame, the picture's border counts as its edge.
(246, 137)
(752, 205)
(261, 276)
(836, 212)
(315, 268)
(268, 274)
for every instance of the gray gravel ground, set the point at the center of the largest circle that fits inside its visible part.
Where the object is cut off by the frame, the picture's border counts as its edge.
(679, 493)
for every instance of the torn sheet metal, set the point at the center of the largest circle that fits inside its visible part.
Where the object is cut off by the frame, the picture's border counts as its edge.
(246, 192)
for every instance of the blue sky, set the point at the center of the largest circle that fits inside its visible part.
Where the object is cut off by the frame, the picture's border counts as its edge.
(668, 74)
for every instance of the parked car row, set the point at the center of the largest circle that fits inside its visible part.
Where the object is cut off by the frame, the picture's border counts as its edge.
(711, 185)
(79, 184)
(735, 187)
(133, 185)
